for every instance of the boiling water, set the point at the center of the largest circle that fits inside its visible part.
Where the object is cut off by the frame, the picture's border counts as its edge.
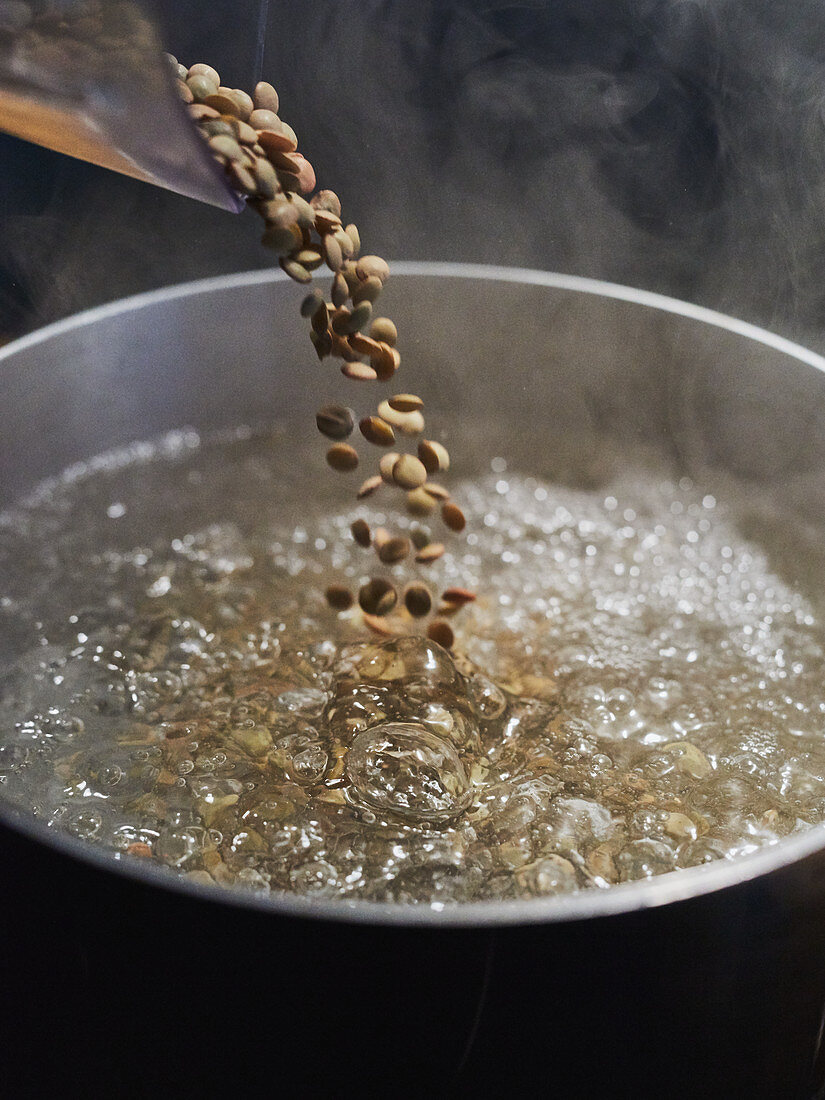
(638, 688)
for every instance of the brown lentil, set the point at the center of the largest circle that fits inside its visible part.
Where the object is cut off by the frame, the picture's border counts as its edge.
(453, 516)
(369, 486)
(295, 271)
(221, 102)
(261, 119)
(265, 97)
(379, 626)
(339, 597)
(381, 359)
(340, 291)
(335, 421)
(355, 237)
(377, 431)
(386, 464)
(207, 71)
(441, 633)
(367, 291)
(436, 491)
(405, 403)
(394, 550)
(429, 553)
(417, 600)
(372, 265)
(326, 200)
(411, 423)
(359, 372)
(260, 155)
(383, 330)
(326, 222)
(434, 456)
(377, 596)
(362, 344)
(342, 457)
(333, 256)
(458, 595)
(420, 503)
(419, 537)
(409, 472)
(310, 259)
(320, 318)
(361, 532)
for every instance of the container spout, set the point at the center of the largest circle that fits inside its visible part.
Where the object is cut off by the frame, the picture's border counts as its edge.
(89, 78)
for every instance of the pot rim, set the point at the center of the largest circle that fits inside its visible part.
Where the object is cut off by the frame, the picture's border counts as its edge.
(674, 886)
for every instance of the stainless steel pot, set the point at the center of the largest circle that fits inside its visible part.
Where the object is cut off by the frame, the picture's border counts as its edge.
(704, 982)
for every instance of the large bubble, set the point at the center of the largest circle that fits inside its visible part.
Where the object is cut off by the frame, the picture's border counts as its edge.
(405, 769)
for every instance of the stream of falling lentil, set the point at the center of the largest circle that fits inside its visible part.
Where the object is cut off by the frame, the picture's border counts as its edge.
(638, 690)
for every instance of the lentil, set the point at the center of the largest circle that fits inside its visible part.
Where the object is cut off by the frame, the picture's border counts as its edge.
(259, 152)
(393, 550)
(360, 372)
(335, 421)
(417, 600)
(265, 97)
(369, 486)
(361, 532)
(458, 595)
(434, 456)
(372, 265)
(441, 633)
(377, 431)
(429, 553)
(436, 491)
(386, 464)
(383, 330)
(405, 403)
(342, 457)
(409, 472)
(377, 597)
(420, 503)
(453, 516)
(339, 597)
(367, 291)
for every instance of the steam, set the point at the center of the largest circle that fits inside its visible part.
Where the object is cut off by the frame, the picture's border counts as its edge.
(676, 145)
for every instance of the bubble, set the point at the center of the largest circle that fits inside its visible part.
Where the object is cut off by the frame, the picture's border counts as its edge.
(405, 769)
(179, 847)
(309, 764)
(645, 858)
(85, 823)
(488, 700)
(318, 879)
(307, 702)
(552, 875)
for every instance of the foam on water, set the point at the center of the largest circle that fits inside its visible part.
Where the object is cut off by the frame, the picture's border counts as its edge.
(638, 689)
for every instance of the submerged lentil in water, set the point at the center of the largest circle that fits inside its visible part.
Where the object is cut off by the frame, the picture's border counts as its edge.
(637, 690)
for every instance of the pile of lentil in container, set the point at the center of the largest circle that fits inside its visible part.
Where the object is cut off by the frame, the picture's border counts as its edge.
(259, 153)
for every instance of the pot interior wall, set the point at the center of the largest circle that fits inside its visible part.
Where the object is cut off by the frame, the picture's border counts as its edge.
(547, 376)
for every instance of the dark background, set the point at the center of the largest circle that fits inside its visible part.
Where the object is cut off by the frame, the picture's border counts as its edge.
(676, 146)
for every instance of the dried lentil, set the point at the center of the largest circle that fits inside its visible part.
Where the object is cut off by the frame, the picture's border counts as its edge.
(361, 532)
(335, 421)
(342, 457)
(377, 596)
(409, 472)
(339, 597)
(417, 600)
(260, 154)
(377, 431)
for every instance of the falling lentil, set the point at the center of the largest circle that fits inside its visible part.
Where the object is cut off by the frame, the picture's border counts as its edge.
(259, 153)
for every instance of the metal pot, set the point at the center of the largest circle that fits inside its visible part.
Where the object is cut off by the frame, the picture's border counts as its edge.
(705, 982)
